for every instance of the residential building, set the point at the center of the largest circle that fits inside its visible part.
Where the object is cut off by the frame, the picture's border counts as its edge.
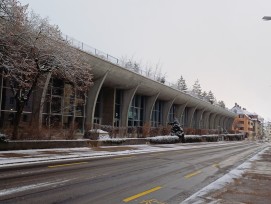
(248, 123)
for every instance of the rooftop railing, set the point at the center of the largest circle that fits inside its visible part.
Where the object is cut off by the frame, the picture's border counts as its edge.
(147, 73)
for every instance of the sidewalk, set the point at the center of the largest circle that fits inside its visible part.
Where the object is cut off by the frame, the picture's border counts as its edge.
(23, 157)
(248, 183)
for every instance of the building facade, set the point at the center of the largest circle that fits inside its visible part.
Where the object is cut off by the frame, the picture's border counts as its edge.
(120, 98)
(248, 123)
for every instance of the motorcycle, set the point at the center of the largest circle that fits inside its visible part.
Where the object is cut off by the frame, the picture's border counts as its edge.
(177, 130)
(3, 138)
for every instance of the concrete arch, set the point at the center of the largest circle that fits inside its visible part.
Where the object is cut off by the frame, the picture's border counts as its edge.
(206, 119)
(221, 122)
(198, 118)
(212, 120)
(93, 94)
(190, 116)
(225, 123)
(149, 104)
(179, 111)
(216, 122)
(126, 102)
(229, 123)
(166, 109)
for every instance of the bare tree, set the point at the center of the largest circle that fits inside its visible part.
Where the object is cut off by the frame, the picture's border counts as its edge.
(31, 49)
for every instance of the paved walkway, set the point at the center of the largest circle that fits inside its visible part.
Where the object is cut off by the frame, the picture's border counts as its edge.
(249, 183)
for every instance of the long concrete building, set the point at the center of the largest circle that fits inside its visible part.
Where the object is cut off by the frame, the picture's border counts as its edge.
(121, 98)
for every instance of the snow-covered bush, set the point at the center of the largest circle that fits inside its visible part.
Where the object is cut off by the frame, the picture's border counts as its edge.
(163, 139)
(201, 138)
(113, 140)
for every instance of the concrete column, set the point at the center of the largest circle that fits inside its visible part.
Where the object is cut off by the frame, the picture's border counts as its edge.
(225, 123)
(166, 109)
(217, 119)
(149, 104)
(92, 96)
(205, 118)
(229, 125)
(127, 99)
(190, 116)
(198, 118)
(179, 111)
(108, 104)
(212, 121)
(221, 123)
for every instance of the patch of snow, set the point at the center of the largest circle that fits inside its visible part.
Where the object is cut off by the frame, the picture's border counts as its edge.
(223, 181)
(104, 137)
(29, 187)
(160, 139)
(98, 131)
(70, 154)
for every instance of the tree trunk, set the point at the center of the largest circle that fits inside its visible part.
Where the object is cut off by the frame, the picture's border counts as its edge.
(17, 119)
(43, 97)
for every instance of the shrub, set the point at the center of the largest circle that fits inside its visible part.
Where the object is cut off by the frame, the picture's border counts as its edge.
(163, 139)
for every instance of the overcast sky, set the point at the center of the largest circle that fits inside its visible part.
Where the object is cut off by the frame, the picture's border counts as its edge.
(224, 44)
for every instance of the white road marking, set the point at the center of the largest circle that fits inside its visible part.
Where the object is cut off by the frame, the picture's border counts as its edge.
(29, 187)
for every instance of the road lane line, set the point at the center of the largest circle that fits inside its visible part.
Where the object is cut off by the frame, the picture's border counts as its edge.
(216, 165)
(70, 164)
(142, 194)
(192, 174)
(10, 191)
(125, 157)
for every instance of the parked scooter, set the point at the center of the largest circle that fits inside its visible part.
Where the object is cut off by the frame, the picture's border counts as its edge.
(177, 130)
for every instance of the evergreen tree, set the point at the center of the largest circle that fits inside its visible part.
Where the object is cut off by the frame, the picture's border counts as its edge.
(210, 97)
(181, 84)
(204, 95)
(221, 104)
(197, 88)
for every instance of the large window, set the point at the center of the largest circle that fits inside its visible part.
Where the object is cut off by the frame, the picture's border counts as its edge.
(171, 115)
(64, 106)
(157, 114)
(135, 114)
(8, 105)
(184, 121)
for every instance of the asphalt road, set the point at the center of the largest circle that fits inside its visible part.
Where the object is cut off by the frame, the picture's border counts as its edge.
(150, 178)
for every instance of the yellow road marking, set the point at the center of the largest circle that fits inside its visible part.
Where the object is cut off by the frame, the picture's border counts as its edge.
(192, 174)
(71, 164)
(152, 201)
(216, 165)
(125, 157)
(142, 194)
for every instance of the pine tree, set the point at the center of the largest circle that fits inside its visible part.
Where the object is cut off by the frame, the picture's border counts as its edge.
(204, 95)
(221, 104)
(197, 88)
(181, 84)
(210, 97)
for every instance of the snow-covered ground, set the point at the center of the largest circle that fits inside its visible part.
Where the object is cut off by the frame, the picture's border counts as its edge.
(20, 157)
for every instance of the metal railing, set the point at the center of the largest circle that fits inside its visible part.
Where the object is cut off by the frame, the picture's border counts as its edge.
(98, 53)
(102, 55)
